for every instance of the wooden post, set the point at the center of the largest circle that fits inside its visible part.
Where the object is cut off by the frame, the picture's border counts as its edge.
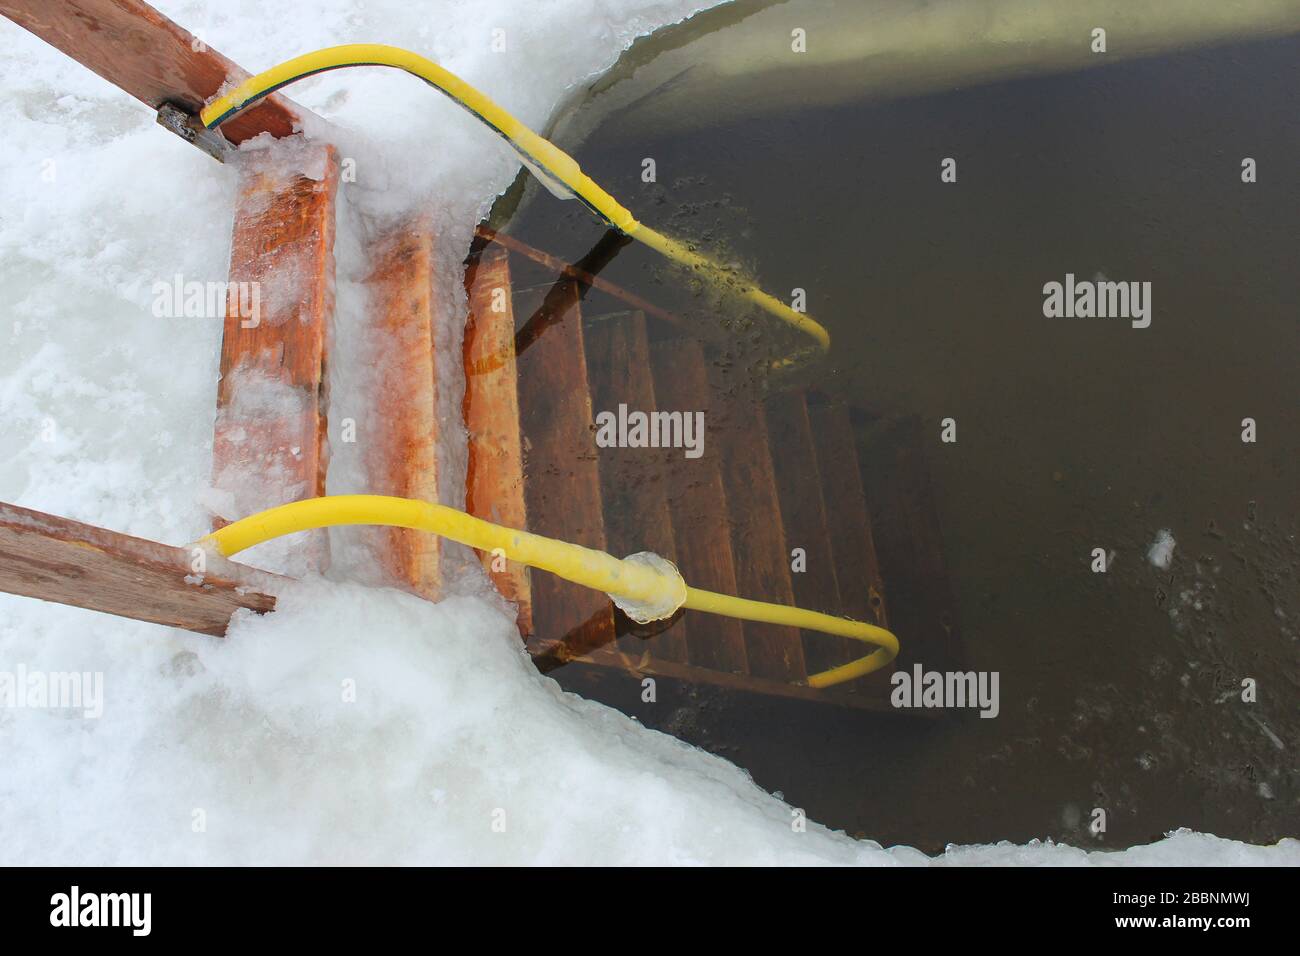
(698, 505)
(631, 480)
(401, 451)
(494, 481)
(857, 568)
(562, 489)
(804, 513)
(269, 446)
(738, 433)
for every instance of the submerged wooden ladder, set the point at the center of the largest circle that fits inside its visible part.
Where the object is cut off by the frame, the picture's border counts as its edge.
(795, 498)
(775, 507)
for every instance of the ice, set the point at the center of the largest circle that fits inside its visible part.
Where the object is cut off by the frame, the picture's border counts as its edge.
(1161, 552)
(674, 590)
(354, 724)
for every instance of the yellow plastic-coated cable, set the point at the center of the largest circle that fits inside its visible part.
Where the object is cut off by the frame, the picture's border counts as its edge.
(747, 610)
(543, 157)
(590, 568)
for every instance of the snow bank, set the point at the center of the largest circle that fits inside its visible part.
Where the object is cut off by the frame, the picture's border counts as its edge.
(359, 725)
(354, 724)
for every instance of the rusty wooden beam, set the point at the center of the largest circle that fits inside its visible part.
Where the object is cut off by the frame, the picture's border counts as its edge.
(401, 455)
(631, 479)
(269, 446)
(807, 524)
(562, 486)
(739, 442)
(857, 567)
(698, 505)
(56, 559)
(139, 50)
(494, 480)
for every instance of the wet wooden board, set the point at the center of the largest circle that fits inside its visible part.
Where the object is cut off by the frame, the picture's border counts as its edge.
(269, 446)
(561, 475)
(857, 567)
(698, 506)
(804, 514)
(632, 479)
(68, 562)
(400, 454)
(909, 543)
(139, 50)
(739, 437)
(494, 485)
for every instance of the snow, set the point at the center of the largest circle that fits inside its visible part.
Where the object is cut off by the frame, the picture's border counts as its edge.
(1161, 552)
(354, 724)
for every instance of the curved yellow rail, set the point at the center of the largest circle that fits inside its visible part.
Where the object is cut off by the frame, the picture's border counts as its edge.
(556, 168)
(629, 580)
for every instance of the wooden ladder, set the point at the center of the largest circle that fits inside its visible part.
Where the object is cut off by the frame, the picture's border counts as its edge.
(796, 499)
(776, 508)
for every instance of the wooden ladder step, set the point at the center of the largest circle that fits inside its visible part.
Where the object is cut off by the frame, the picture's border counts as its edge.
(269, 445)
(561, 474)
(494, 480)
(401, 457)
(738, 432)
(857, 567)
(698, 506)
(632, 479)
(807, 524)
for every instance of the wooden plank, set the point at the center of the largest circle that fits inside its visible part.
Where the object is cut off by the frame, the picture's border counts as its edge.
(739, 438)
(494, 483)
(401, 452)
(698, 506)
(632, 479)
(857, 567)
(562, 479)
(269, 446)
(804, 513)
(908, 539)
(136, 48)
(68, 562)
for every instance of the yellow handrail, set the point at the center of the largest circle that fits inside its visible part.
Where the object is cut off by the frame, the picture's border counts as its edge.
(630, 581)
(556, 168)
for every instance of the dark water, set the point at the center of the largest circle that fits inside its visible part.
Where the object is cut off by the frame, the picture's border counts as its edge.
(1119, 690)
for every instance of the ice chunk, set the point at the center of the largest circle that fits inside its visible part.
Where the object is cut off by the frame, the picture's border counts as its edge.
(1161, 552)
(674, 595)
